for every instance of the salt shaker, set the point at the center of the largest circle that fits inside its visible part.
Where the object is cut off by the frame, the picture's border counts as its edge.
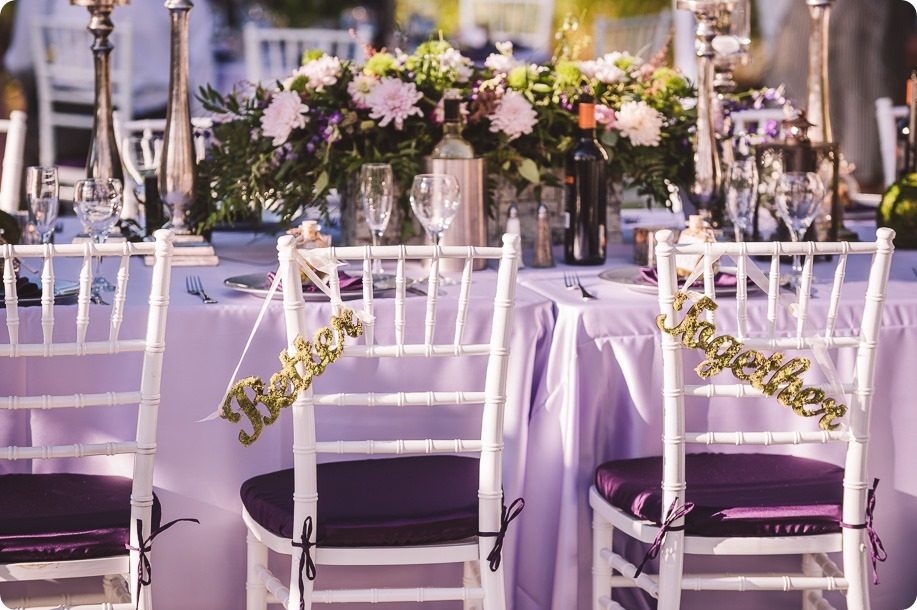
(514, 227)
(544, 256)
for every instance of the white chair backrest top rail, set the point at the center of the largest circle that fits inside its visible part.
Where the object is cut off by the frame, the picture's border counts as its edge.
(887, 116)
(273, 53)
(65, 77)
(201, 127)
(639, 35)
(526, 22)
(15, 130)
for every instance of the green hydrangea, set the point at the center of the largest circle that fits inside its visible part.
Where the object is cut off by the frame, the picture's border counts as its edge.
(312, 55)
(568, 75)
(518, 77)
(380, 64)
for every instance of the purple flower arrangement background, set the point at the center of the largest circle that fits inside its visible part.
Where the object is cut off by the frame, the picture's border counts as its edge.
(283, 146)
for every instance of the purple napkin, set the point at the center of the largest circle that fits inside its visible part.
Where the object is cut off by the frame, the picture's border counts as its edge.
(347, 282)
(720, 280)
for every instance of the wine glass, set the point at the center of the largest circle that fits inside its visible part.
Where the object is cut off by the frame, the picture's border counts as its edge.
(377, 192)
(42, 189)
(98, 205)
(741, 192)
(435, 200)
(799, 197)
(142, 156)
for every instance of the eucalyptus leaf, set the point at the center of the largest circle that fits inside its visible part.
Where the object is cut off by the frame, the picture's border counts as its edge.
(321, 183)
(528, 169)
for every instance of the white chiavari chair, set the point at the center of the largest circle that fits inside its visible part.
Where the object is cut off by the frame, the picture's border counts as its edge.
(201, 127)
(273, 53)
(414, 507)
(65, 82)
(639, 35)
(70, 525)
(525, 22)
(755, 120)
(14, 128)
(765, 503)
(886, 117)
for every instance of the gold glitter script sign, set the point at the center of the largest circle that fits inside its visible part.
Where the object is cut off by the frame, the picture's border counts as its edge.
(725, 352)
(286, 384)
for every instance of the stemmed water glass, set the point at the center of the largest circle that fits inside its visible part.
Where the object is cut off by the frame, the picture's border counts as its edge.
(42, 189)
(98, 205)
(741, 192)
(377, 190)
(435, 201)
(799, 197)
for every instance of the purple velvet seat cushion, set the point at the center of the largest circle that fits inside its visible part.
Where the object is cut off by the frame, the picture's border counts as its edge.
(734, 494)
(386, 502)
(56, 517)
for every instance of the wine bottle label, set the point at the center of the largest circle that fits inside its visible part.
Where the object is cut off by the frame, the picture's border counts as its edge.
(566, 220)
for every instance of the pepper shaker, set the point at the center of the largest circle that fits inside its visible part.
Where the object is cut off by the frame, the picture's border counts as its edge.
(544, 256)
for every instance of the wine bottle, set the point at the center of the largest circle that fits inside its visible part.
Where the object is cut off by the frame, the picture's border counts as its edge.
(152, 206)
(907, 138)
(452, 145)
(585, 193)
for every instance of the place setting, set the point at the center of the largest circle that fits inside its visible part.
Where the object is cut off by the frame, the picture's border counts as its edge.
(435, 199)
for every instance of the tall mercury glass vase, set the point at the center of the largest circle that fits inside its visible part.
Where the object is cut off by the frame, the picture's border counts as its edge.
(177, 170)
(704, 193)
(103, 160)
(819, 93)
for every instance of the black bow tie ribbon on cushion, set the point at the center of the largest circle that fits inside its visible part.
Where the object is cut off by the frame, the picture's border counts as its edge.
(674, 513)
(346, 281)
(876, 550)
(720, 280)
(506, 517)
(144, 567)
(306, 564)
(25, 289)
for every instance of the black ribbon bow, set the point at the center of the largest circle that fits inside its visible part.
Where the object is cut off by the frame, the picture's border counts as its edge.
(672, 515)
(506, 516)
(144, 567)
(876, 550)
(305, 559)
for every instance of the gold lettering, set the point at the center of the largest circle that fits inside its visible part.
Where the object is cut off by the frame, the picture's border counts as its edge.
(746, 360)
(718, 360)
(770, 364)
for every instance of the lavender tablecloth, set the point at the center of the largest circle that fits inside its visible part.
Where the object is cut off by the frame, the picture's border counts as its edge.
(200, 466)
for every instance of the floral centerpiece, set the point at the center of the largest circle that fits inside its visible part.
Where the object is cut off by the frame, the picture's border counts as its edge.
(283, 146)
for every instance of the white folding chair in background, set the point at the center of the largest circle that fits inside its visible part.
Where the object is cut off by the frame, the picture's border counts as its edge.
(68, 525)
(10, 183)
(65, 81)
(273, 53)
(766, 503)
(525, 22)
(887, 117)
(639, 35)
(201, 127)
(414, 507)
(755, 120)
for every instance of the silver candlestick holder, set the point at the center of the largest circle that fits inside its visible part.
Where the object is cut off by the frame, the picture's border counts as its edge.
(177, 171)
(705, 190)
(103, 160)
(817, 100)
(731, 46)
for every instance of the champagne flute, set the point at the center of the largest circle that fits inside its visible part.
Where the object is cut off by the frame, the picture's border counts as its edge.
(98, 205)
(435, 201)
(799, 197)
(42, 190)
(377, 192)
(741, 192)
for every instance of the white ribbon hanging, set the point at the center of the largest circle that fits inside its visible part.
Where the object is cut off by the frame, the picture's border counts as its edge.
(319, 259)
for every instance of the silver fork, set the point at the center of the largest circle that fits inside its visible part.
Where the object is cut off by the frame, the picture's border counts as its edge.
(572, 281)
(194, 286)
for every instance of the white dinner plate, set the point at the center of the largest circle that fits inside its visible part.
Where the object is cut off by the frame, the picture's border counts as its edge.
(631, 277)
(258, 284)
